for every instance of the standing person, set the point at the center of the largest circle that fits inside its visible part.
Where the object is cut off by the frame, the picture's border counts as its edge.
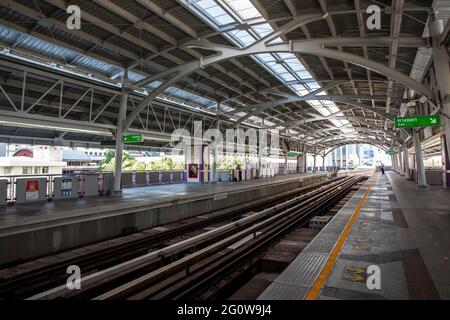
(239, 177)
(382, 168)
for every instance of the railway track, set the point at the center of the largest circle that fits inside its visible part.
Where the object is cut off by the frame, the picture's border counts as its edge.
(186, 278)
(27, 279)
(185, 268)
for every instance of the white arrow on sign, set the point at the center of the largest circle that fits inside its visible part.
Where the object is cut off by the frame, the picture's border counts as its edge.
(433, 121)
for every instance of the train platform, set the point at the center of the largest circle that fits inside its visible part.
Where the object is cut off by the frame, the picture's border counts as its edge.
(33, 212)
(390, 241)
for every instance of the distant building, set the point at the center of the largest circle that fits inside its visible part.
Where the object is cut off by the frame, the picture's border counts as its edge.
(30, 162)
(3, 150)
(80, 161)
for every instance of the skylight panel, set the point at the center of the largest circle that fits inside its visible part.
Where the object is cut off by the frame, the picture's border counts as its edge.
(214, 12)
(295, 66)
(304, 75)
(323, 111)
(333, 109)
(262, 29)
(224, 19)
(313, 85)
(287, 76)
(244, 8)
(265, 57)
(315, 103)
(242, 36)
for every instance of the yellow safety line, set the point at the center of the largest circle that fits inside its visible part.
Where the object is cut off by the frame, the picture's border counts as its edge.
(314, 291)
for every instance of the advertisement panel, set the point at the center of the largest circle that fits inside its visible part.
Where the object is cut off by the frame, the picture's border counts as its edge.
(32, 190)
(66, 187)
(193, 171)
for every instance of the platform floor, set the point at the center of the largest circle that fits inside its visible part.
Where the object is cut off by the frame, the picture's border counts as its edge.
(37, 212)
(402, 230)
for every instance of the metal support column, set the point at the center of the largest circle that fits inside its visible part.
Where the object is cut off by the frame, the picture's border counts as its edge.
(117, 188)
(314, 164)
(285, 169)
(260, 154)
(421, 178)
(394, 168)
(305, 163)
(442, 71)
(406, 162)
(400, 164)
(215, 177)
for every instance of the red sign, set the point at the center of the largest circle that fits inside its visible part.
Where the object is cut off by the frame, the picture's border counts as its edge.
(32, 190)
(193, 171)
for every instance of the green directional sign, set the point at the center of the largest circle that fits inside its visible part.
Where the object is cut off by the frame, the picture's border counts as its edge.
(132, 138)
(391, 152)
(293, 154)
(419, 121)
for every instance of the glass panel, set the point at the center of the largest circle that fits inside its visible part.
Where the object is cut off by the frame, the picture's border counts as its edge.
(244, 8)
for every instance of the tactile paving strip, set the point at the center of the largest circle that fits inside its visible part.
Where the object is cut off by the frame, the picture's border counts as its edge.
(278, 291)
(301, 272)
(294, 282)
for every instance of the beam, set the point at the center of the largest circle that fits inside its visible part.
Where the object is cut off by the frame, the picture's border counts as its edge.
(313, 47)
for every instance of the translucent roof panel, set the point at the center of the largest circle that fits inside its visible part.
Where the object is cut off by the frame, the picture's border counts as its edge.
(242, 36)
(214, 12)
(262, 29)
(285, 66)
(244, 8)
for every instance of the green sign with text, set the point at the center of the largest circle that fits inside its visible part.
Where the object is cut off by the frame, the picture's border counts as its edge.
(391, 152)
(419, 121)
(293, 154)
(132, 138)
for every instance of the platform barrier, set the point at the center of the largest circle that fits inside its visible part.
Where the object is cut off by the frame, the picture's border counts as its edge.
(31, 189)
(177, 176)
(153, 177)
(434, 177)
(165, 177)
(224, 176)
(70, 186)
(3, 191)
(140, 178)
(66, 187)
(106, 183)
(127, 179)
(90, 185)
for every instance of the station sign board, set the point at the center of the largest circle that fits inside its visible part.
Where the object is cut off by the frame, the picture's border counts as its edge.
(391, 152)
(132, 138)
(293, 154)
(419, 121)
